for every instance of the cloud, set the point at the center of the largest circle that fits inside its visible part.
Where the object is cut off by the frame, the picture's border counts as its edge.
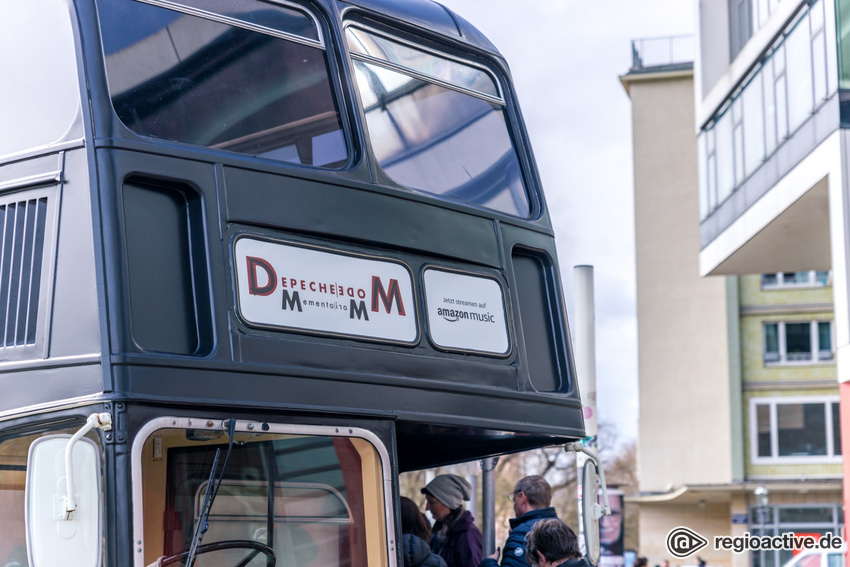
(565, 57)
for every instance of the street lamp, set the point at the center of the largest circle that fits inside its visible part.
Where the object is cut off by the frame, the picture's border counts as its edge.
(761, 493)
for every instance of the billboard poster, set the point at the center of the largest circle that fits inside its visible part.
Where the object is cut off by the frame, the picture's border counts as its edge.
(466, 312)
(300, 288)
(611, 532)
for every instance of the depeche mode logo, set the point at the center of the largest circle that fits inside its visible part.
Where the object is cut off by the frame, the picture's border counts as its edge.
(263, 280)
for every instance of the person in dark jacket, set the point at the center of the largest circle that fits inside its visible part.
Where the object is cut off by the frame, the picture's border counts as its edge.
(552, 543)
(413, 521)
(416, 533)
(417, 553)
(455, 536)
(531, 498)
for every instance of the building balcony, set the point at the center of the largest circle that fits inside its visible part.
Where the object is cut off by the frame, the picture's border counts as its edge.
(655, 54)
(767, 155)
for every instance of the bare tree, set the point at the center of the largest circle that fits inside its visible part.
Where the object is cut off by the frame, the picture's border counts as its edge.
(558, 467)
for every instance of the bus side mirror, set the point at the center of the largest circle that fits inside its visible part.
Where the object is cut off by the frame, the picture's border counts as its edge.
(60, 534)
(591, 511)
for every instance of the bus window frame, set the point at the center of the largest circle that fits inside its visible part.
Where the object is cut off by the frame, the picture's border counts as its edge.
(466, 54)
(340, 83)
(417, 74)
(244, 426)
(227, 20)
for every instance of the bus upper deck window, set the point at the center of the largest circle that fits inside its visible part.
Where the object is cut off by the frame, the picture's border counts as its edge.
(437, 124)
(239, 75)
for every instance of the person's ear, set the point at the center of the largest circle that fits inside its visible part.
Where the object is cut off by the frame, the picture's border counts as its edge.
(541, 559)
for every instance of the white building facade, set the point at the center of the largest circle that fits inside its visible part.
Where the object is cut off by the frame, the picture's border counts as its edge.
(772, 92)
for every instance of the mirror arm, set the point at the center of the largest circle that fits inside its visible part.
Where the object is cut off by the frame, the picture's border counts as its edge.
(579, 447)
(94, 421)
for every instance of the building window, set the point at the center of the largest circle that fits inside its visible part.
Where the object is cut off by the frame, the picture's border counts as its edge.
(795, 430)
(783, 280)
(739, 23)
(817, 519)
(777, 97)
(797, 342)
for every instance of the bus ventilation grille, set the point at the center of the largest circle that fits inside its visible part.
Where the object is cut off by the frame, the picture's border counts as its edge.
(22, 229)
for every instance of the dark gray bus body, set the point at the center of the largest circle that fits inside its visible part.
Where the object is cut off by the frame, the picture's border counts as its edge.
(119, 277)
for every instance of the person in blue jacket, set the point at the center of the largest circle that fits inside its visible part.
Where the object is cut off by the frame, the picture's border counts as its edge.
(531, 498)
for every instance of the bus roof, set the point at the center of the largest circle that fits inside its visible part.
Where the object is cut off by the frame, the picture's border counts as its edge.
(432, 16)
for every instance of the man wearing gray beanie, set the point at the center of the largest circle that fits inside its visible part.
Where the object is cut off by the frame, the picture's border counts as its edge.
(455, 536)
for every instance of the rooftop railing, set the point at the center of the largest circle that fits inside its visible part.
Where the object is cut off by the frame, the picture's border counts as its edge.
(662, 51)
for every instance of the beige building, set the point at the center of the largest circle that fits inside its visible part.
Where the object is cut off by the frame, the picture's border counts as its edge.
(738, 387)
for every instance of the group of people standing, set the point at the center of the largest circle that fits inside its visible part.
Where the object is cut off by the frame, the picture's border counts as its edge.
(537, 537)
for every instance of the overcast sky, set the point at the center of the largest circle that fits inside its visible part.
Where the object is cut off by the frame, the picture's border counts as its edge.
(565, 57)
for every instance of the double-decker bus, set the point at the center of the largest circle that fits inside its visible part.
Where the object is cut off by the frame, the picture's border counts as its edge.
(257, 258)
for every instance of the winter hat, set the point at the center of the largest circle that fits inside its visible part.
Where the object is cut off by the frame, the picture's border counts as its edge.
(450, 489)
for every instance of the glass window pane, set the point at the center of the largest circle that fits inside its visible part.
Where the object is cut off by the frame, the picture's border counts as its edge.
(795, 277)
(806, 515)
(781, 108)
(769, 280)
(419, 61)
(798, 341)
(738, 135)
(836, 428)
(273, 16)
(801, 429)
(764, 12)
(842, 28)
(712, 181)
(799, 73)
(739, 24)
(703, 174)
(441, 141)
(267, 96)
(824, 336)
(822, 277)
(771, 342)
(761, 516)
(307, 497)
(753, 125)
(819, 66)
(763, 424)
(725, 161)
(816, 16)
(769, 107)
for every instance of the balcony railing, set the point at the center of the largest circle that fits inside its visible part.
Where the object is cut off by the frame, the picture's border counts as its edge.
(662, 51)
